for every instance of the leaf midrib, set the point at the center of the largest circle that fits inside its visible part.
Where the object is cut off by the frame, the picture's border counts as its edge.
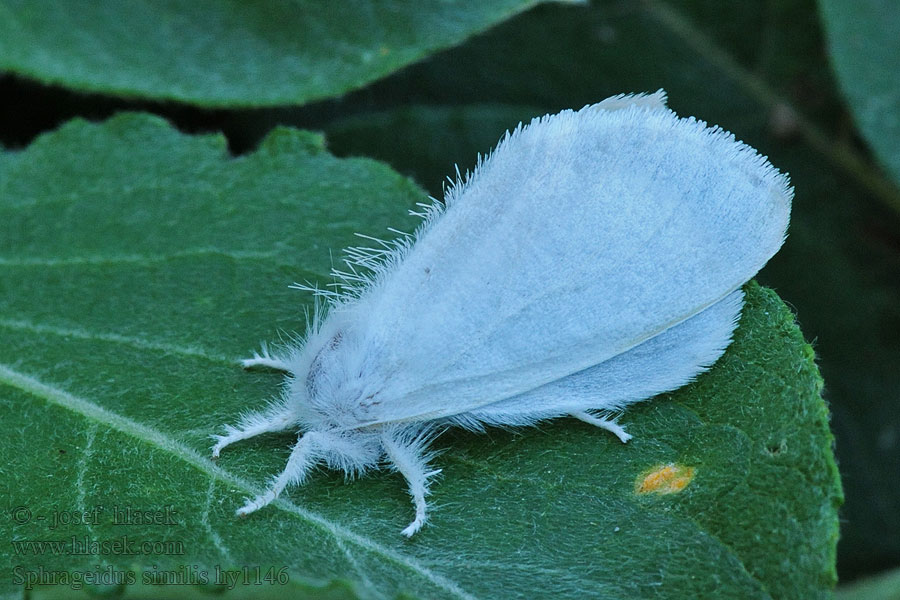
(148, 435)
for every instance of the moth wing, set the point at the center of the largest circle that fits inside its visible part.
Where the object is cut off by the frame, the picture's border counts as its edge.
(656, 100)
(583, 235)
(663, 363)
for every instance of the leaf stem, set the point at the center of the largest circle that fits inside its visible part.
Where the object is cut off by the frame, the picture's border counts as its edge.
(838, 153)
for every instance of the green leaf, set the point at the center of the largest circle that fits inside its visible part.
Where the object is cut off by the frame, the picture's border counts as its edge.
(139, 264)
(885, 586)
(864, 39)
(758, 73)
(231, 52)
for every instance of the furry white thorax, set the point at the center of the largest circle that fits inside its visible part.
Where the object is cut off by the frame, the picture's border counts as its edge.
(593, 260)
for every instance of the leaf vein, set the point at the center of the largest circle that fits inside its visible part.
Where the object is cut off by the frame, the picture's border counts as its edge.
(134, 258)
(204, 521)
(113, 420)
(114, 338)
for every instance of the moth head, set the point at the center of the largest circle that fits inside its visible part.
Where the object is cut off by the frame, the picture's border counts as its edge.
(333, 389)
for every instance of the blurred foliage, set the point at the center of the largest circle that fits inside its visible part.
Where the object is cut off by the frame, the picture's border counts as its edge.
(884, 586)
(864, 39)
(231, 53)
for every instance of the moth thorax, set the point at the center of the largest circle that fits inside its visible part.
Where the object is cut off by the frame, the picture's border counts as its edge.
(337, 386)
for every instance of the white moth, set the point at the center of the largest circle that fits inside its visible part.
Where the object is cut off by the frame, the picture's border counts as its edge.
(593, 260)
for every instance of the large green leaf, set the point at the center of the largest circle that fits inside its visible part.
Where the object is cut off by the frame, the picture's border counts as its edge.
(139, 264)
(864, 39)
(231, 52)
(758, 73)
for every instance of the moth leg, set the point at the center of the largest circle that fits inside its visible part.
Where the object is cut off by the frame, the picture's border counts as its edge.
(278, 418)
(266, 360)
(409, 460)
(303, 457)
(610, 425)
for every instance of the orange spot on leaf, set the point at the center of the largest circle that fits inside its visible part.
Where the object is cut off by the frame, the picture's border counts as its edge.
(664, 479)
